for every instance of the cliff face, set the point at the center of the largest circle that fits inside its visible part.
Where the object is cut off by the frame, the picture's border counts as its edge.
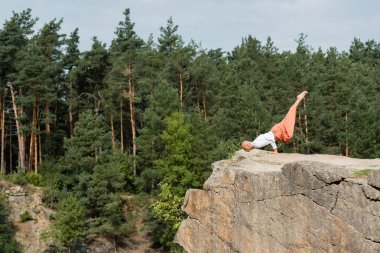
(28, 198)
(259, 202)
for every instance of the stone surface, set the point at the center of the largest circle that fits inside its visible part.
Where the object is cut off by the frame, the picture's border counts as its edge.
(259, 202)
(374, 178)
(28, 198)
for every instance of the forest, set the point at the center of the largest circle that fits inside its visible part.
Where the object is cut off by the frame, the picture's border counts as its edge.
(147, 118)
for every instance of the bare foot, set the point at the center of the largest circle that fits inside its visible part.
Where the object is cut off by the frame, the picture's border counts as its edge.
(302, 95)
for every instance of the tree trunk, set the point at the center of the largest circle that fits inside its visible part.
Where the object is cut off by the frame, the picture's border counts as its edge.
(121, 124)
(131, 97)
(33, 148)
(346, 135)
(20, 136)
(36, 137)
(204, 106)
(47, 120)
(35, 154)
(40, 147)
(55, 117)
(71, 122)
(113, 132)
(10, 148)
(2, 111)
(198, 102)
(181, 88)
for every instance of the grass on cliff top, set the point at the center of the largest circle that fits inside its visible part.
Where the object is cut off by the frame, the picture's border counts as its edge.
(362, 173)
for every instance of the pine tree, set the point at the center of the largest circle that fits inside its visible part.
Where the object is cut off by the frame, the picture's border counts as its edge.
(177, 58)
(179, 166)
(38, 78)
(91, 138)
(13, 38)
(167, 209)
(71, 62)
(90, 77)
(124, 74)
(161, 104)
(69, 221)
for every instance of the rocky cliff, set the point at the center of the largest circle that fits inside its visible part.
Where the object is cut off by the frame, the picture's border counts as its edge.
(259, 202)
(28, 199)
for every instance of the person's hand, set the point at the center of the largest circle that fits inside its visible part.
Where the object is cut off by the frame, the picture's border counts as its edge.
(275, 151)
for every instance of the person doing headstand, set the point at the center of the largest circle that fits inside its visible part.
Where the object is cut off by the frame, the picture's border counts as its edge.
(282, 131)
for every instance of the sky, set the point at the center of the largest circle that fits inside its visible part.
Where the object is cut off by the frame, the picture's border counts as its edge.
(215, 23)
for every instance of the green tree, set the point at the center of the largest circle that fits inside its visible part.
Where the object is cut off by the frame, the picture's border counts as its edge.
(204, 79)
(13, 38)
(177, 58)
(167, 209)
(7, 244)
(70, 62)
(91, 138)
(179, 167)
(161, 104)
(69, 221)
(39, 72)
(90, 77)
(112, 222)
(123, 77)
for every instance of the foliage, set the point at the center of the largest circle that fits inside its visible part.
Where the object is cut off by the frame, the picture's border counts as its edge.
(167, 209)
(362, 173)
(113, 222)
(138, 114)
(69, 221)
(180, 167)
(96, 175)
(25, 178)
(25, 216)
(17, 178)
(7, 244)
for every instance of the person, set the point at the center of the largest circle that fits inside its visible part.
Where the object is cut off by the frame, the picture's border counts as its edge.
(282, 131)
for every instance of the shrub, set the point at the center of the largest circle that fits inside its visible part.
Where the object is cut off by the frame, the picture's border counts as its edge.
(17, 178)
(362, 173)
(25, 216)
(34, 179)
(7, 243)
(25, 178)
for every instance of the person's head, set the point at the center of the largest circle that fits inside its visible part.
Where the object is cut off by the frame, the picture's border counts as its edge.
(247, 146)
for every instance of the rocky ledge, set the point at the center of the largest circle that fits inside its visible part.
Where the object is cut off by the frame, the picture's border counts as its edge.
(28, 199)
(259, 202)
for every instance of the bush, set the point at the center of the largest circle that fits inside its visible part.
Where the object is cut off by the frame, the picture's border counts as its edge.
(25, 178)
(7, 243)
(17, 178)
(69, 220)
(168, 214)
(34, 179)
(362, 173)
(25, 216)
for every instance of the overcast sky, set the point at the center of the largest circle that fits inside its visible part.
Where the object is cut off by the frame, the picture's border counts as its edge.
(215, 23)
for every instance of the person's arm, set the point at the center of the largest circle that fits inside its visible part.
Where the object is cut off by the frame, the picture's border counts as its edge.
(274, 146)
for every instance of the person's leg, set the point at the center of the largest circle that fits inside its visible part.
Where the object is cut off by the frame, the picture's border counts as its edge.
(290, 119)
